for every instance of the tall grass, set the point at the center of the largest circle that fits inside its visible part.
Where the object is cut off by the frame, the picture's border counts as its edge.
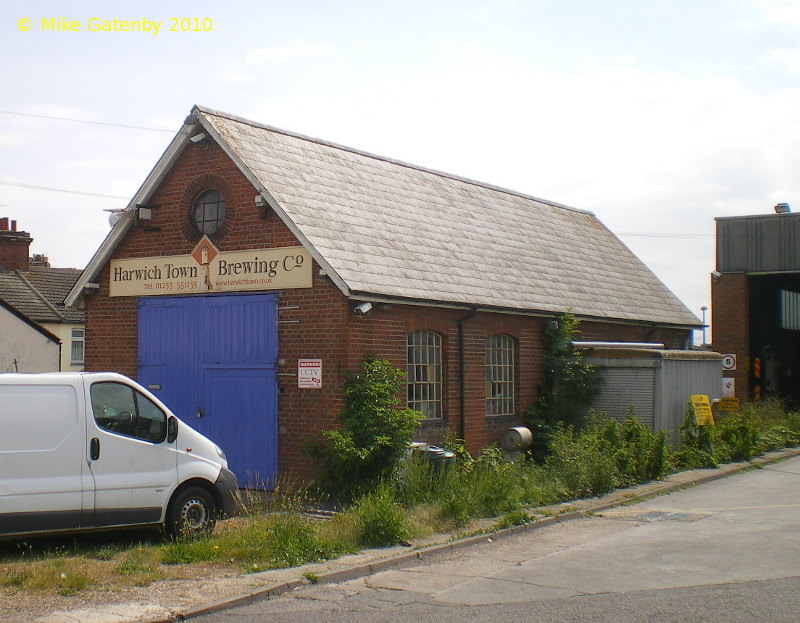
(738, 436)
(421, 498)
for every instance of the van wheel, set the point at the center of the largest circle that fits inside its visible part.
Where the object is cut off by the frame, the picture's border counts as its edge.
(192, 513)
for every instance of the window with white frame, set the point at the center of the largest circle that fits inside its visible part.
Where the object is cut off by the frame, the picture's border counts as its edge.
(499, 375)
(424, 373)
(76, 346)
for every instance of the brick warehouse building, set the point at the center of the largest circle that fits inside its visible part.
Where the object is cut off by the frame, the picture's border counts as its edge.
(255, 266)
(755, 303)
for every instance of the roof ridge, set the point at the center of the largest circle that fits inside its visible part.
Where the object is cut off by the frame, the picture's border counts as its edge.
(402, 163)
(41, 296)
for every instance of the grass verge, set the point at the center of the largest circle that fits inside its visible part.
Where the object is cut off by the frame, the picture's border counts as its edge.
(421, 499)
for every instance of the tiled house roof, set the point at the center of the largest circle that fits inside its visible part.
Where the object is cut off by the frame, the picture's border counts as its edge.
(388, 229)
(39, 293)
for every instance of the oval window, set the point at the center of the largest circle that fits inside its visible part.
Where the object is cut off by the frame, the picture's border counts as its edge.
(208, 211)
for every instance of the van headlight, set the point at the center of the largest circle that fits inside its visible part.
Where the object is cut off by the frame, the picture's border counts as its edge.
(220, 453)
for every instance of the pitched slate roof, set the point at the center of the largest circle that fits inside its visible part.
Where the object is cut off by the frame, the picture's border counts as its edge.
(38, 293)
(384, 228)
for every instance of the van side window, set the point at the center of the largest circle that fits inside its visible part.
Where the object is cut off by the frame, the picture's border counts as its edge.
(122, 410)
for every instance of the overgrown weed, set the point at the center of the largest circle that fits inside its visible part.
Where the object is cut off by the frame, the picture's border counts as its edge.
(417, 501)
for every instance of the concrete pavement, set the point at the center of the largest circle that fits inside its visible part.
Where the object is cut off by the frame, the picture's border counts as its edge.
(255, 587)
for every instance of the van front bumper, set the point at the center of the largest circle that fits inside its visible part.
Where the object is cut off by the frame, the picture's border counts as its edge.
(229, 493)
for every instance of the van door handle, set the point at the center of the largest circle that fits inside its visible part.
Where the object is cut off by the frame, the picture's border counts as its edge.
(94, 448)
(200, 413)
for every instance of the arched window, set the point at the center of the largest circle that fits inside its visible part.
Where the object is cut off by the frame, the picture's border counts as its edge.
(499, 375)
(424, 373)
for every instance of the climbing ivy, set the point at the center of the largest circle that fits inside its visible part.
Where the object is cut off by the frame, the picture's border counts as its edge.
(568, 384)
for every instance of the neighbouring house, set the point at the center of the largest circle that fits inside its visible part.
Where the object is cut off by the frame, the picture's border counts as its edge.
(755, 304)
(255, 266)
(36, 292)
(24, 345)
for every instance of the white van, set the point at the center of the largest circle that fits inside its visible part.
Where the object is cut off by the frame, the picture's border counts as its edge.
(81, 451)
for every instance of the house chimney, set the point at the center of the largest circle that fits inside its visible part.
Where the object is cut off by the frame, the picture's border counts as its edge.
(14, 246)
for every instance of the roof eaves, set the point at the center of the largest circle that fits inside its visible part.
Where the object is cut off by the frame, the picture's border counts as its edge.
(363, 295)
(35, 325)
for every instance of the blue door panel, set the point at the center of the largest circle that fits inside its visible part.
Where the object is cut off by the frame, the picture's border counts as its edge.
(167, 344)
(231, 393)
(243, 332)
(212, 360)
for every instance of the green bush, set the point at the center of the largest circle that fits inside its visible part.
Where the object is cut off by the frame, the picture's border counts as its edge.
(380, 519)
(739, 436)
(739, 432)
(776, 437)
(579, 460)
(373, 436)
(697, 449)
(640, 455)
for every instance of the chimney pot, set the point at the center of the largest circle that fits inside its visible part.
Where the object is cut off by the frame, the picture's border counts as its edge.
(14, 246)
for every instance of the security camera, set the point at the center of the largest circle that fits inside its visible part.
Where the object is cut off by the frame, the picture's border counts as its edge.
(716, 274)
(363, 308)
(197, 137)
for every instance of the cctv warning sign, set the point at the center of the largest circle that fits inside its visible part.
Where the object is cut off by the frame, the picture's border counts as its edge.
(309, 373)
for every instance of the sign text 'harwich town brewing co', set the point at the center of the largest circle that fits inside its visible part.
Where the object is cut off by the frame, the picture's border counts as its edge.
(208, 270)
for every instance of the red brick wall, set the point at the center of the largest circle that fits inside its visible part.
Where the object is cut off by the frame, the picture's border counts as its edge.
(319, 322)
(14, 247)
(730, 313)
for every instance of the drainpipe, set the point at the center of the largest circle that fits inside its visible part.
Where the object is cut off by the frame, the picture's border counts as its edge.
(462, 366)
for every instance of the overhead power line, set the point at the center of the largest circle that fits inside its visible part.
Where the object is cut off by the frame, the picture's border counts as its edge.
(648, 235)
(61, 190)
(113, 125)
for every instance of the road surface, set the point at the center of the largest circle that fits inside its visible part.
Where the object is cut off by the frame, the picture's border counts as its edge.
(726, 551)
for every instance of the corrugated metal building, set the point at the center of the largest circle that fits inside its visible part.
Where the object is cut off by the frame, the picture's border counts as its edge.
(756, 303)
(657, 384)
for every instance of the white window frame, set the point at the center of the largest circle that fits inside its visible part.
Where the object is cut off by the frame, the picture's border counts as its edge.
(74, 341)
(500, 374)
(424, 373)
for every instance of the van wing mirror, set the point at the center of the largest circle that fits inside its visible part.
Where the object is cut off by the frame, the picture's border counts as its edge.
(172, 429)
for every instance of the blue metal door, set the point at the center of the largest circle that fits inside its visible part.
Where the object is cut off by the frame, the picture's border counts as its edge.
(212, 360)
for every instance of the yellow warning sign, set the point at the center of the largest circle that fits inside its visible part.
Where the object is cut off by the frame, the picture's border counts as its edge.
(702, 410)
(728, 404)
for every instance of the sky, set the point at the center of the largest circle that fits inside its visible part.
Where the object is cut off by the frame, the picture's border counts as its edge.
(657, 116)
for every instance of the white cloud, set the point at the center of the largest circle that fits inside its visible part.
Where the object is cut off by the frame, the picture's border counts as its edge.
(784, 13)
(788, 59)
(647, 152)
(298, 49)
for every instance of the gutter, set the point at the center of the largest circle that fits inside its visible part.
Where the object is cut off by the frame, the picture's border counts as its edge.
(462, 366)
